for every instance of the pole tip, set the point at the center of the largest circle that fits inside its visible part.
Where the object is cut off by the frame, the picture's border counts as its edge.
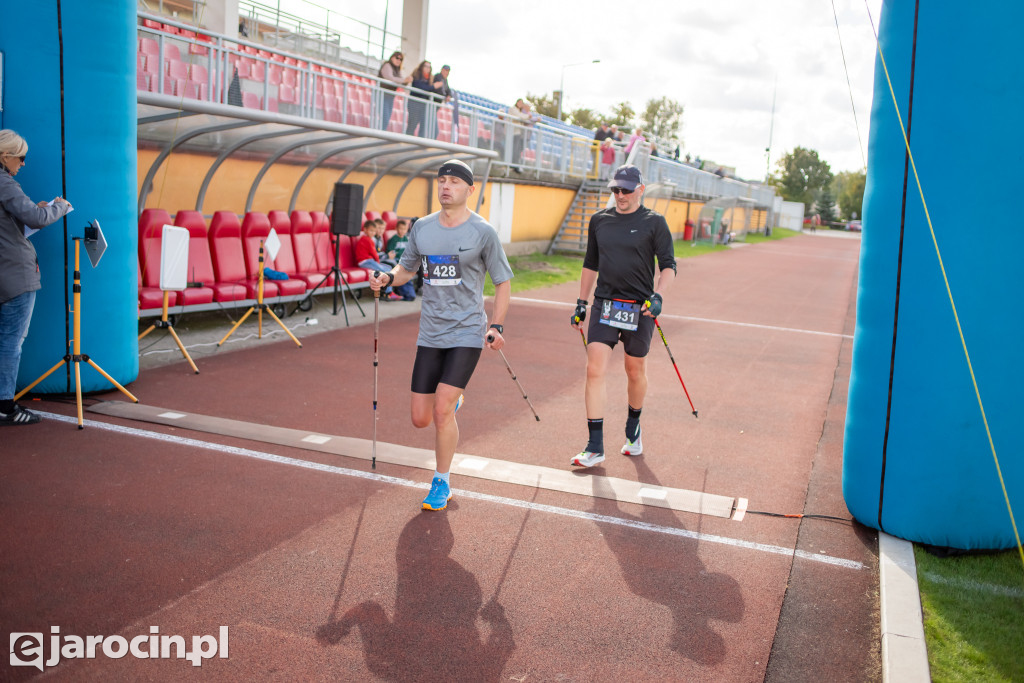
(538, 417)
(695, 414)
(373, 463)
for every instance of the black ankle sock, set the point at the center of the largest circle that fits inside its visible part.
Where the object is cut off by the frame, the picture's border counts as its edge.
(596, 442)
(6, 405)
(633, 423)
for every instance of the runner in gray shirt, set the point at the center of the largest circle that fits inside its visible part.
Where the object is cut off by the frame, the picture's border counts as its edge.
(456, 249)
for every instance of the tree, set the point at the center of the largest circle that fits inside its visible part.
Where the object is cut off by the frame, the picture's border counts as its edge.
(546, 105)
(586, 118)
(802, 175)
(622, 115)
(825, 203)
(662, 118)
(848, 187)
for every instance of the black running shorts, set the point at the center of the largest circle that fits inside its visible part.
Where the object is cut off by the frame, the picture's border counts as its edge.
(636, 343)
(452, 366)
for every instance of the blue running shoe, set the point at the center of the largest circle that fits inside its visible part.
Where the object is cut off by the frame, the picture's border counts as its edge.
(440, 494)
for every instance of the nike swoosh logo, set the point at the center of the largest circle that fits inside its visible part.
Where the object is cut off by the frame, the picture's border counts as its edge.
(466, 249)
(632, 230)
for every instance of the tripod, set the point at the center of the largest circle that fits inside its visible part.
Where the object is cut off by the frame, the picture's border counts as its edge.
(164, 323)
(259, 307)
(338, 278)
(77, 356)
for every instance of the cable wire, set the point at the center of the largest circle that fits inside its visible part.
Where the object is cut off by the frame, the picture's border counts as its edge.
(849, 87)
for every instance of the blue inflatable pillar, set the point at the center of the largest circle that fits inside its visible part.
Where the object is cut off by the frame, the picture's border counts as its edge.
(917, 461)
(99, 141)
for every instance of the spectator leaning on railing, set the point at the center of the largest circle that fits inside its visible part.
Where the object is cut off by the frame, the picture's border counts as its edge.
(520, 113)
(391, 77)
(422, 89)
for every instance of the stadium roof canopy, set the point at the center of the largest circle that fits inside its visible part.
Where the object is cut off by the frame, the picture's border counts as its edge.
(174, 124)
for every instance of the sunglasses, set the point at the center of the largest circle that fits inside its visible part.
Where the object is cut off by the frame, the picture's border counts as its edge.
(621, 190)
(399, 58)
(21, 158)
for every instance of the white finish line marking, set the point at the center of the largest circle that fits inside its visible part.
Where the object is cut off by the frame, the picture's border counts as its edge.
(316, 438)
(500, 500)
(664, 316)
(172, 416)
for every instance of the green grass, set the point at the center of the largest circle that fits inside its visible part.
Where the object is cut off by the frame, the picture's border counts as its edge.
(777, 234)
(540, 270)
(973, 633)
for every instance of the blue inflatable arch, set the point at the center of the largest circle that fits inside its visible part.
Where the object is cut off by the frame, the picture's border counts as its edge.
(88, 46)
(917, 461)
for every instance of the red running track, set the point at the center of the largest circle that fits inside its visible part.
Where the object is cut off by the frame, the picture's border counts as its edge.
(319, 575)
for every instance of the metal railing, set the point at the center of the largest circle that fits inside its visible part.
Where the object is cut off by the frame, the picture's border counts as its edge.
(271, 26)
(245, 73)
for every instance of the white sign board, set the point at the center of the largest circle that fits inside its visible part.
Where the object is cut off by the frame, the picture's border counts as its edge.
(173, 258)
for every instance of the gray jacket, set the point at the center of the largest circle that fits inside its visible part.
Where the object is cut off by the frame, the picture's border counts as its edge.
(19, 269)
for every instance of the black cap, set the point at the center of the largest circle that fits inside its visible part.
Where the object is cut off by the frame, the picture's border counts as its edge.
(456, 168)
(627, 177)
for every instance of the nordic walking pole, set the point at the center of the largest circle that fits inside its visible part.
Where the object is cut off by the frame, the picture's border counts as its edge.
(376, 335)
(577, 321)
(490, 338)
(665, 342)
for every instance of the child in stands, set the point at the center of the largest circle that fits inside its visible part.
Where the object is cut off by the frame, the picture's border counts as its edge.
(367, 255)
(395, 249)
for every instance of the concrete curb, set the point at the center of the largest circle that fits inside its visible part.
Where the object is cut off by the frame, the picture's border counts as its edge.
(904, 655)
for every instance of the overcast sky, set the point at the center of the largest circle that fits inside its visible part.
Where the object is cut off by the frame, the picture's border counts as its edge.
(720, 60)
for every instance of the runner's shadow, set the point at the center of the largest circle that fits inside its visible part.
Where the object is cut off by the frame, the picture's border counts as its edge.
(434, 634)
(666, 570)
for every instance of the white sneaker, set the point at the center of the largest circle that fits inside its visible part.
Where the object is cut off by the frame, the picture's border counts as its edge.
(633, 447)
(588, 459)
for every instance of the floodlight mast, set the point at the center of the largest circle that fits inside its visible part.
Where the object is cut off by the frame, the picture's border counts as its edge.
(561, 84)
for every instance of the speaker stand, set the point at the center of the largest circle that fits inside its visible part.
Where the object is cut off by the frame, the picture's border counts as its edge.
(339, 280)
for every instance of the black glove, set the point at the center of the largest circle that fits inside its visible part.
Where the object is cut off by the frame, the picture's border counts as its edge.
(581, 312)
(654, 305)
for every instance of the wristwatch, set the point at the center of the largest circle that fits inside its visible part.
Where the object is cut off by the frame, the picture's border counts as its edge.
(499, 328)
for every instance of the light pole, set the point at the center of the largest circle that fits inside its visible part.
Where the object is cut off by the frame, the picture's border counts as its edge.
(561, 84)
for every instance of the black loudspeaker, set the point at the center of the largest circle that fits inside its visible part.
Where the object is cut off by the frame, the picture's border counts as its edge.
(347, 216)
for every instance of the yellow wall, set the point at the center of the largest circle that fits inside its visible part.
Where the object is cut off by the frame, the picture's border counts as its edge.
(176, 186)
(539, 212)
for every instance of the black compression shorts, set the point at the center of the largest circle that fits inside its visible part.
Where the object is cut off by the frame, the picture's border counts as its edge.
(452, 366)
(636, 343)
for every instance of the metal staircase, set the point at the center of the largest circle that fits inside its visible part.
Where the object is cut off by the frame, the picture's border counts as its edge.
(572, 234)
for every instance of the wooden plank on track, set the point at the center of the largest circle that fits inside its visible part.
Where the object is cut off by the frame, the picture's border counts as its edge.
(577, 482)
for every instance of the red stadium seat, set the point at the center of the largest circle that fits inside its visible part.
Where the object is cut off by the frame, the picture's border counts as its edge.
(255, 229)
(200, 265)
(285, 261)
(370, 216)
(251, 100)
(228, 259)
(390, 220)
(347, 261)
(324, 244)
(152, 297)
(305, 250)
(151, 225)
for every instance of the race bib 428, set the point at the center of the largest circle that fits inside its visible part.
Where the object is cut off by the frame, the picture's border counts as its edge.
(442, 270)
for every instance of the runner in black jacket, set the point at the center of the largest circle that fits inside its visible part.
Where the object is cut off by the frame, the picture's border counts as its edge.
(622, 245)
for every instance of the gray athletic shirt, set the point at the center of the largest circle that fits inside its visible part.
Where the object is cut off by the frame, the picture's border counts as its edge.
(454, 261)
